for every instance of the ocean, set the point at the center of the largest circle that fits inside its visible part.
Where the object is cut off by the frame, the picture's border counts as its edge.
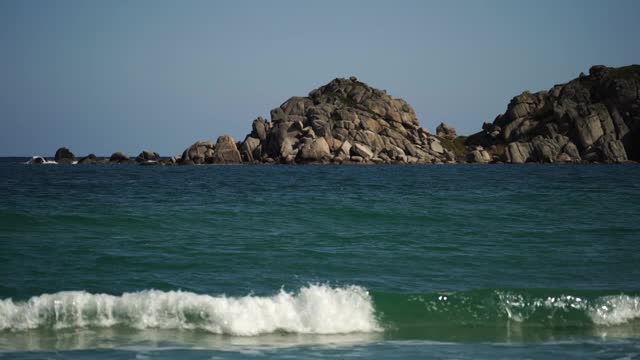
(425, 261)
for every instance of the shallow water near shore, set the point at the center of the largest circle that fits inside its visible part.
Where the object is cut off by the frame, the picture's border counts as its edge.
(432, 261)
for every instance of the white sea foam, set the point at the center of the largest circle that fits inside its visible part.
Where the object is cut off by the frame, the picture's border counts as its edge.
(616, 309)
(605, 310)
(314, 309)
(41, 160)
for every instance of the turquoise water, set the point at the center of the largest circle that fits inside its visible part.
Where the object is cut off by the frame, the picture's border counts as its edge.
(461, 261)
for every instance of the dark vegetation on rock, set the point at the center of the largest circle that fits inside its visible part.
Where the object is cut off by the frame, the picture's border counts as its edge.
(594, 118)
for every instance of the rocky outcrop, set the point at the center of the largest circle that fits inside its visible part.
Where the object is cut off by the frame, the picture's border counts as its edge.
(200, 152)
(147, 156)
(479, 156)
(344, 121)
(119, 157)
(36, 160)
(89, 159)
(315, 150)
(226, 151)
(168, 161)
(445, 130)
(594, 118)
(64, 156)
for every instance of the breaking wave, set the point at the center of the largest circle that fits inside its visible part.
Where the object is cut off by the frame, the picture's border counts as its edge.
(315, 309)
(321, 309)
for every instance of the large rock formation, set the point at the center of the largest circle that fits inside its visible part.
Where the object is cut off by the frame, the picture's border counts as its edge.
(342, 122)
(594, 118)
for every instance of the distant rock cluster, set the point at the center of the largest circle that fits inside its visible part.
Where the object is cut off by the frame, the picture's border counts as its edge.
(65, 156)
(594, 118)
(343, 122)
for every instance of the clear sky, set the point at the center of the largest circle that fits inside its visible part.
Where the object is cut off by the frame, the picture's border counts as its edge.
(103, 76)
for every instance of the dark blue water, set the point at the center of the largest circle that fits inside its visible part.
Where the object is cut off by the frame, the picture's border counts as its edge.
(462, 261)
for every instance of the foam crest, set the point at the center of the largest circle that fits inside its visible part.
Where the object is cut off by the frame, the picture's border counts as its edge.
(614, 310)
(314, 309)
(520, 308)
(605, 310)
(41, 160)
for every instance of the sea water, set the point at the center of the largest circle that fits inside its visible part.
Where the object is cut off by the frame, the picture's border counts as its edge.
(432, 261)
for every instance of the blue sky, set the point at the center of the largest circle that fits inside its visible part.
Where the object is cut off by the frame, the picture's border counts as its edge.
(104, 76)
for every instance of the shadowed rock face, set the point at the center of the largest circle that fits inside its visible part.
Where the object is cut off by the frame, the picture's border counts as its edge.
(119, 157)
(343, 119)
(89, 159)
(64, 156)
(595, 117)
(147, 155)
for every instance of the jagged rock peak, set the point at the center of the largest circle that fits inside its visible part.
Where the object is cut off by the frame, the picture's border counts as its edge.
(351, 95)
(345, 120)
(343, 87)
